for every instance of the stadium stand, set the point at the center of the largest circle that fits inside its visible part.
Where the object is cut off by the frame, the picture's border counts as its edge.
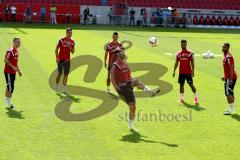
(202, 12)
(190, 4)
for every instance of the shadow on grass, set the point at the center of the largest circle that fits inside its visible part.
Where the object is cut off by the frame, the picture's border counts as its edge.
(14, 114)
(195, 106)
(236, 117)
(68, 97)
(136, 137)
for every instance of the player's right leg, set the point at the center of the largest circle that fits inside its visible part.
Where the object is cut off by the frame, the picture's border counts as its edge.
(127, 93)
(181, 81)
(108, 80)
(194, 90)
(59, 75)
(10, 80)
(66, 67)
(132, 108)
(229, 92)
(140, 85)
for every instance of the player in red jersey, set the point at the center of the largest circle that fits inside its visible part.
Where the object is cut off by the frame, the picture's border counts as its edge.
(124, 84)
(10, 70)
(186, 71)
(230, 77)
(64, 48)
(111, 53)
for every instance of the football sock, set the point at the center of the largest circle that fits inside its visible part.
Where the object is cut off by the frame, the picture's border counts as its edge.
(64, 88)
(195, 95)
(131, 123)
(181, 96)
(231, 107)
(8, 101)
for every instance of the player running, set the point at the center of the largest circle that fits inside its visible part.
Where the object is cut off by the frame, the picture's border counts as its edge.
(63, 50)
(111, 53)
(10, 70)
(123, 83)
(186, 71)
(230, 77)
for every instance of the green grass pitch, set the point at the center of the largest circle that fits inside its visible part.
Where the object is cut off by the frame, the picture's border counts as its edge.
(33, 131)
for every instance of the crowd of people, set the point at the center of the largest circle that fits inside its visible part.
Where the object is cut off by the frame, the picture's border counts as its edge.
(10, 13)
(159, 17)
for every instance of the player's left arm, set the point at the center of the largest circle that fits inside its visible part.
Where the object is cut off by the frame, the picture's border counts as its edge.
(72, 48)
(175, 65)
(19, 71)
(231, 69)
(192, 64)
(112, 75)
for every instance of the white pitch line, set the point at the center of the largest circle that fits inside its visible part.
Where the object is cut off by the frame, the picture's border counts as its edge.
(169, 54)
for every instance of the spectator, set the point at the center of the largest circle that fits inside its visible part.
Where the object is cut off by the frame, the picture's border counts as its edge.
(43, 12)
(159, 17)
(184, 20)
(68, 17)
(28, 12)
(6, 12)
(132, 16)
(189, 20)
(110, 15)
(13, 13)
(53, 10)
(145, 15)
(175, 17)
(166, 14)
(86, 13)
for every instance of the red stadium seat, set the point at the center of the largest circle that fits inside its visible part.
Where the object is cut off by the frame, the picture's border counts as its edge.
(201, 20)
(195, 20)
(219, 20)
(226, 20)
(214, 21)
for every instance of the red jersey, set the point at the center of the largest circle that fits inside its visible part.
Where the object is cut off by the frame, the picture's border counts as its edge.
(121, 71)
(64, 53)
(227, 61)
(185, 58)
(113, 54)
(12, 56)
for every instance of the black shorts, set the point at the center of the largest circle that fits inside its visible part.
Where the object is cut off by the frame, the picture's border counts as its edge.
(64, 66)
(126, 91)
(229, 88)
(10, 79)
(183, 77)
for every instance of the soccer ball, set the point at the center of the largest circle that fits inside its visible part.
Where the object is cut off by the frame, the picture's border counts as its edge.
(153, 41)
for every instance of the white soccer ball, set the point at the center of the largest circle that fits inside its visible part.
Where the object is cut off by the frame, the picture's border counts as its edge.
(205, 56)
(153, 41)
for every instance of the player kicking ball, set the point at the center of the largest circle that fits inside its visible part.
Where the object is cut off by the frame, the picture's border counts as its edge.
(63, 51)
(230, 77)
(123, 83)
(111, 54)
(186, 71)
(10, 70)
